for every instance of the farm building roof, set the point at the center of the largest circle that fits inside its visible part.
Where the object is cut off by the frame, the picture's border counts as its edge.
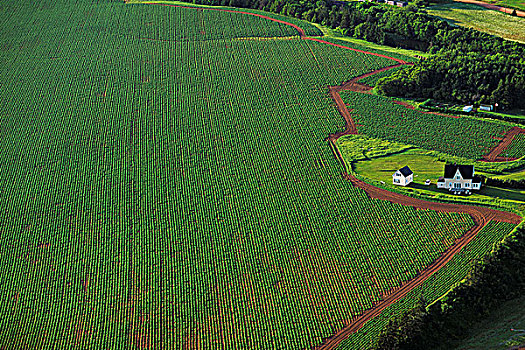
(467, 171)
(405, 171)
(441, 179)
(476, 179)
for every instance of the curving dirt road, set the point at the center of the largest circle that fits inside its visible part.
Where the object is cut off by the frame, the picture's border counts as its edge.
(495, 154)
(480, 215)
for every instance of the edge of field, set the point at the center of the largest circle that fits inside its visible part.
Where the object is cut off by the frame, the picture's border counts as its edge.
(434, 288)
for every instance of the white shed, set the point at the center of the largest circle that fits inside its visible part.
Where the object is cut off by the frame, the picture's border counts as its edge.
(403, 176)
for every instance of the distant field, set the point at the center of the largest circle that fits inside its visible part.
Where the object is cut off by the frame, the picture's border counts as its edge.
(482, 19)
(519, 4)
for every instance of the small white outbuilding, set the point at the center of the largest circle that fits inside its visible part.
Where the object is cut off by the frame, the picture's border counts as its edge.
(403, 176)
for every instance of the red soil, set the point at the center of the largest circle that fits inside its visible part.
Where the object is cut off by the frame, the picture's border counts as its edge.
(409, 106)
(495, 154)
(480, 215)
(519, 13)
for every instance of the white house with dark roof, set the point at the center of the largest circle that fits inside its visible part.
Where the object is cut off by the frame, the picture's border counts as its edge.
(459, 178)
(403, 176)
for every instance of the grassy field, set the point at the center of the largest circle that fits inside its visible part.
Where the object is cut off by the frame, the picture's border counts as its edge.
(496, 331)
(482, 19)
(164, 184)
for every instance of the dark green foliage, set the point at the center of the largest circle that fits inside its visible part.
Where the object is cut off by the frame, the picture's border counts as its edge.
(489, 181)
(484, 70)
(473, 77)
(498, 277)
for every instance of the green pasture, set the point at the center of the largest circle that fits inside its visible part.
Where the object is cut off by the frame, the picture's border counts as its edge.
(518, 4)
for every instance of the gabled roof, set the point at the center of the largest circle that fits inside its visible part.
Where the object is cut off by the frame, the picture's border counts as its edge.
(405, 171)
(466, 171)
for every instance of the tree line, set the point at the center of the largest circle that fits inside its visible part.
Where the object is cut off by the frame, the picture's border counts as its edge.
(470, 66)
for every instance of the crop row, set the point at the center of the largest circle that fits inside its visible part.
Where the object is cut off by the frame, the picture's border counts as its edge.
(435, 286)
(516, 149)
(181, 194)
(382, 118)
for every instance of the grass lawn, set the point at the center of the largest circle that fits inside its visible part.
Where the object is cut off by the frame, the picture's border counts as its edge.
(482, 19)
(494, 332)
(426, 166)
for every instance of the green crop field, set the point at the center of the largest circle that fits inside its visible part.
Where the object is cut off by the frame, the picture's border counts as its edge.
(165, 182)
(435, 287)
(516, 149)
(381, 117)
(482, 19)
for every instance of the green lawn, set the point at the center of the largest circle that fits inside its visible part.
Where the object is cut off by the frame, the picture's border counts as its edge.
(425, 166)
(495, 332)
(482, 19)
(518, 175)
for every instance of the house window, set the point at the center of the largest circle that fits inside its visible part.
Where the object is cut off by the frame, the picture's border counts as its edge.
(450, 184)
(396, 181)
(467, 184)
(458, 177)
(457, 185)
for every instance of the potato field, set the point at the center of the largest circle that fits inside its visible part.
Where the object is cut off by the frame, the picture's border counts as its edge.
(165, 182)
(382, 117)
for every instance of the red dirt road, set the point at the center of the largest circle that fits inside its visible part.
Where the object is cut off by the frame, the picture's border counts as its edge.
(494, 155)
(493, 7)
(480, 215)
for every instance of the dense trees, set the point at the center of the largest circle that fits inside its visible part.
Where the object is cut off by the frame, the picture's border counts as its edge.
(471, 67)
(473, 77)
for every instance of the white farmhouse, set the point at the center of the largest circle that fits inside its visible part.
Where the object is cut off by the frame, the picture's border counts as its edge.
(403, 176)
(459, 178)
